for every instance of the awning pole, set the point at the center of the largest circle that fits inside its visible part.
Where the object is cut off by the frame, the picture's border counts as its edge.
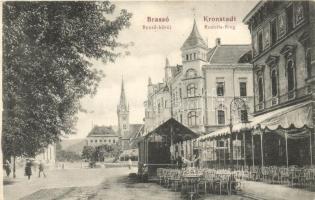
(311, 149)
(244, 141)
(236, 152)
(286, 148)
(224, 154)
(253, 152)
(262, 149)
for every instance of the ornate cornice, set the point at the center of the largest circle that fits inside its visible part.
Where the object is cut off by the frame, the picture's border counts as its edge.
(288, 50)
(272, 60)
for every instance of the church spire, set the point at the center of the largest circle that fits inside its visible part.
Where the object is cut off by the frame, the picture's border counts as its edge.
(122, 101)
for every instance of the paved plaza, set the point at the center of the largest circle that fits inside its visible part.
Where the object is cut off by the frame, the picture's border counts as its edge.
(113, 183)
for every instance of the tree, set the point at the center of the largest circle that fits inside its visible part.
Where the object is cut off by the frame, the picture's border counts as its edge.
(47, 52)
(88, 153)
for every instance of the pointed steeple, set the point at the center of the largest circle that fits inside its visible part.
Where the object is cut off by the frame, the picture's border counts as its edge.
(194, 39)
(122, 101)
(167, 63)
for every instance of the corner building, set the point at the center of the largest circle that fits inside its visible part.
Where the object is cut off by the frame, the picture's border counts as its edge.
(190, 91)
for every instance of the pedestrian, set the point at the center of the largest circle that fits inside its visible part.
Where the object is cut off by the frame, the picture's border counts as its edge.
(129, 163)
(28, 169)
(41, 169)
(7, 167)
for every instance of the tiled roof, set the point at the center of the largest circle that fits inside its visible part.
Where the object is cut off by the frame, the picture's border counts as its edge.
(102, 131)
(194, 39)
(133, 130)
(227, 54)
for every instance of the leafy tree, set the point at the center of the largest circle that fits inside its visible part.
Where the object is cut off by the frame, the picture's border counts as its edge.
(88, 153)
(47, 53)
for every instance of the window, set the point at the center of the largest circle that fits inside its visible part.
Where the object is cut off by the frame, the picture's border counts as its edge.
(101, 140)
(109, 141)
(220, 88)
(243, 89)
(190, 56)
(291, 75)
(274, 83)
(105, 140)
(187, 57)
(289, 14)
(221, 117)
(191, 90)
(95, 140)
(194, 56)
(260, 42)
(114, 141)
(165, 104)
(273, 32)
(260, 90)
(192, 118)
(244, 116)
(91, 141)
(124, 126)
(181, 118)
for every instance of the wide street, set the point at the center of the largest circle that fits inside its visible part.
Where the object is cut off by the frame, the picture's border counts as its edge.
(92, 184)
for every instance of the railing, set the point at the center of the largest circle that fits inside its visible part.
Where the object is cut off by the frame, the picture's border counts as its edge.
(290, 96)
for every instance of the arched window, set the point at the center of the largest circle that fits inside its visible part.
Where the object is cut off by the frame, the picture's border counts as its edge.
(191, 73)
(192, 118)
(291, 75)
(260, 89)
(308, 63)
(191, 90)
(274, 83)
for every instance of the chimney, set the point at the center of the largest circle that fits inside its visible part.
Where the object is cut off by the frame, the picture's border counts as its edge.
(218, 42)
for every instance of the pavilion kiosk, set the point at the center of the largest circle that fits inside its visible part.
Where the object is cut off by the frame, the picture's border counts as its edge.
(155, 148)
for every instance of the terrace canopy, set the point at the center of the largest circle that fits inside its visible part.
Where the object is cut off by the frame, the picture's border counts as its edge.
(293, 119)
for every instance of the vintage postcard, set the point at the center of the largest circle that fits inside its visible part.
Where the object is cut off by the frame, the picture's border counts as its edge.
(158, 100)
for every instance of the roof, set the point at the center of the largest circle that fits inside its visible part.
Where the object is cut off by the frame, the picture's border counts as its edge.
(228, 54)
(102, 131)
(194, 39)
(133, 130)
(180, 132)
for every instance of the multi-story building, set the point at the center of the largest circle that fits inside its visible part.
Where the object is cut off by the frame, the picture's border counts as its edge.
(101, 135)
(191, 91)
(283, 38)
(227, 75)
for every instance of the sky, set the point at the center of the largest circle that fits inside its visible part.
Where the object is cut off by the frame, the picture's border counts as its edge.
(151, 47)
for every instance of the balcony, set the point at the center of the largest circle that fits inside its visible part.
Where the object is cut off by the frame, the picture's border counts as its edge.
(288, 97)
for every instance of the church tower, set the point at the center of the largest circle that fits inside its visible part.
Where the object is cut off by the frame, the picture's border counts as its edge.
(123, 113)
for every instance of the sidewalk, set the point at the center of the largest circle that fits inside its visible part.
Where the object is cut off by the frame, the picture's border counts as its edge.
(261, 190)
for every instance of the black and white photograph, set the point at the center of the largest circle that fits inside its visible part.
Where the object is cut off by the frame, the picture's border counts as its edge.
(158, 100)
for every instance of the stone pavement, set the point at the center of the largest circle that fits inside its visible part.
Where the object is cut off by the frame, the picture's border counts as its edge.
(259, 190)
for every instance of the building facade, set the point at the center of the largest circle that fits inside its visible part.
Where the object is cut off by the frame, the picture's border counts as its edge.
(228, 75)
(283, 39)
(191, 92)
(101, 135)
